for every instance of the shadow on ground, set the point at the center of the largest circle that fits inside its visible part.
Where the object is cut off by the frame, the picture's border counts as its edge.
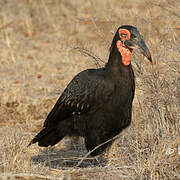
(66, 157)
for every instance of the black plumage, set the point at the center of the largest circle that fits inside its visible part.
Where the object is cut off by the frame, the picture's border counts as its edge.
(97, 103)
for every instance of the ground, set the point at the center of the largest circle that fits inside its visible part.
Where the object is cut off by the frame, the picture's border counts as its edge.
(45, 43)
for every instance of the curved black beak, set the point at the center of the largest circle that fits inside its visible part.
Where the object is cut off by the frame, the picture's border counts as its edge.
(138, 43)
(144, 49)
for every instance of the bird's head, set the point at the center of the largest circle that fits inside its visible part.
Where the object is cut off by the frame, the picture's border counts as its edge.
(127, 39)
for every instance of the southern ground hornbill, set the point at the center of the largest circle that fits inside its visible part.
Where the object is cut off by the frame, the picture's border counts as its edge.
(97, 103)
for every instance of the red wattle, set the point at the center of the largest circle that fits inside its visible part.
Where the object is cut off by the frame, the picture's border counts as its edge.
(125, 53)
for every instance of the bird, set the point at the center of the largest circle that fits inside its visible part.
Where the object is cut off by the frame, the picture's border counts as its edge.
(97, 103)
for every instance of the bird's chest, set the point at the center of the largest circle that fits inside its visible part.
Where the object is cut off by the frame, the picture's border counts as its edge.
(118, 109)
(123, 92)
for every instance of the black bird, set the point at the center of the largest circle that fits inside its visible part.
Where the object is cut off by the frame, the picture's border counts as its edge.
(97, 103)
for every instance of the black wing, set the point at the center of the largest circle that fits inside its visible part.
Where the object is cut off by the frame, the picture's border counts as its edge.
(89, 89)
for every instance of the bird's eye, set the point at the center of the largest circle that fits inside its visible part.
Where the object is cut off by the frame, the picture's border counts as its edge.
(123, 35)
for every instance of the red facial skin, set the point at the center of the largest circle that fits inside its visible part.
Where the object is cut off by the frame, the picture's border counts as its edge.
(125, 52)
(125, 31)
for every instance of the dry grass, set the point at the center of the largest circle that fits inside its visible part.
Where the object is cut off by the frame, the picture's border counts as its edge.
(38, 59)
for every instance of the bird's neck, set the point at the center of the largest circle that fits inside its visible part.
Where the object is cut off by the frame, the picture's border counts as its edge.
(114, 64)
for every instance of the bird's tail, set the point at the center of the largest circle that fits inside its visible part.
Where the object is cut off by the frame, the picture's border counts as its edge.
(47, 137)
